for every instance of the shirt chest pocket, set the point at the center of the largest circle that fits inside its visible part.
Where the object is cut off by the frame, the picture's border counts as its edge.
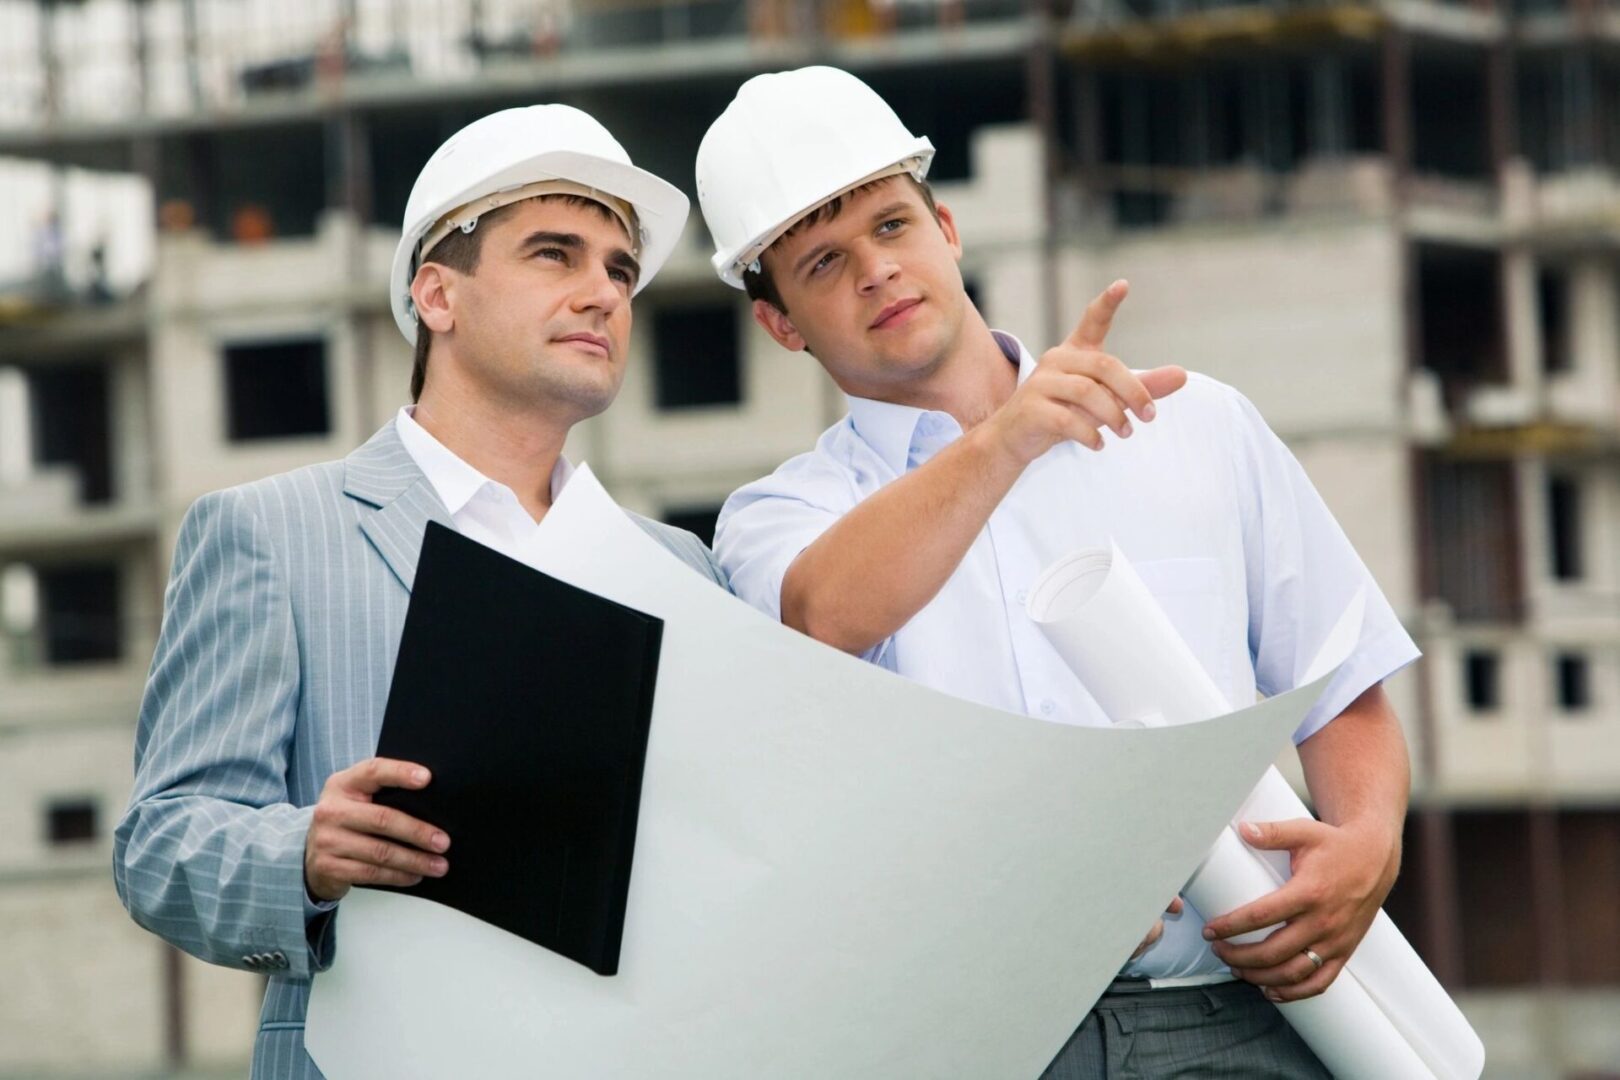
(1189, 591)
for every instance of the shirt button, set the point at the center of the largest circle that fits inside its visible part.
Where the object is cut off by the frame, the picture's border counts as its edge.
(1022, 595)
(1047, 706)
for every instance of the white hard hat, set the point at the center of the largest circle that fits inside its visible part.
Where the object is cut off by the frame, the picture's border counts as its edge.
(787, 143)
(490, 160)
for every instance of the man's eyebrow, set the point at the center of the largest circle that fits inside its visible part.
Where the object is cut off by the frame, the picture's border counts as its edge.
(555, 239)
(890, 210)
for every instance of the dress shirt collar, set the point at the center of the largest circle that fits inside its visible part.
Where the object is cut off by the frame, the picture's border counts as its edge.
(455, 481)
(892, 430)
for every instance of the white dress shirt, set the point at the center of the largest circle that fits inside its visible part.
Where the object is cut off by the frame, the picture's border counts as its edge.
(480, 508)
(1208, 504)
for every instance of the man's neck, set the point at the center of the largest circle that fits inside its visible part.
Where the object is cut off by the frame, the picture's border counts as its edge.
(520, 451)
(973, 381)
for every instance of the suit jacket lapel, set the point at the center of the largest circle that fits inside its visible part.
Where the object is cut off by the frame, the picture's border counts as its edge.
(383, 474)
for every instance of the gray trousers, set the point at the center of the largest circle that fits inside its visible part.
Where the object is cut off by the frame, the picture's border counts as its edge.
(1223, 1032)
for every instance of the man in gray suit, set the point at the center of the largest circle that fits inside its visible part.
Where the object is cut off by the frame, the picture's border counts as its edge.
(525, 237)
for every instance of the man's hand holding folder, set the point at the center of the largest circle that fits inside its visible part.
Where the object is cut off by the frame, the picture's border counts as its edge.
(351, 839)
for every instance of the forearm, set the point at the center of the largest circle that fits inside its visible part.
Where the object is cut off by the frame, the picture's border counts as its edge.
(881, 563)
(221, 880)
(1357, 770)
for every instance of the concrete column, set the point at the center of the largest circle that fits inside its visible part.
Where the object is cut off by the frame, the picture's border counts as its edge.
(1522, 324)
(131, 433)
(1594, 322)
(16, 453)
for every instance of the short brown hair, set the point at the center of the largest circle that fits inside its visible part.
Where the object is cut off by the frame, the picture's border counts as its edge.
(460, 251)
(759, 285)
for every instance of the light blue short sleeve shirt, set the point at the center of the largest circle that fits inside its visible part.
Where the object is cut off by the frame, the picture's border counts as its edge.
(1211, 508)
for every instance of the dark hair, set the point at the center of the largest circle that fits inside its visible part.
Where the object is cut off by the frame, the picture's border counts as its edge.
(760, 286)
(460, 251)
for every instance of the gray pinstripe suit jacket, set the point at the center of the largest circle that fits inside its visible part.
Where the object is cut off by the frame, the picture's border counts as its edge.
(283, 613)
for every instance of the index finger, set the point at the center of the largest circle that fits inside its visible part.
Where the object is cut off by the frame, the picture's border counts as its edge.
(370, 775)
(1269, 910)
(1099, 316)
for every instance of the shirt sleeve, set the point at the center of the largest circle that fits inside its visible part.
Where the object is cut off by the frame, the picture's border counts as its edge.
(764, 526)
(1302, 572)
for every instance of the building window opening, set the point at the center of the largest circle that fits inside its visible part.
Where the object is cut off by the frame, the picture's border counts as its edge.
(1460, 319)
(1471, 538)
(1482, 678)
(70, 821)
(698, 357)
(1552, 300)
(1500, 945)
(70, 419)
(81, 614)
(1589, 861)
(1564, 528)
(1450, 105)
(1573, 675)
(276, 390)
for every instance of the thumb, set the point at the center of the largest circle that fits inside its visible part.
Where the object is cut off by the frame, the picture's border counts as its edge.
(1164, 381)
(1279, 835)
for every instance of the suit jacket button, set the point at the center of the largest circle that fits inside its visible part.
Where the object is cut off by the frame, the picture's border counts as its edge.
(251, 961)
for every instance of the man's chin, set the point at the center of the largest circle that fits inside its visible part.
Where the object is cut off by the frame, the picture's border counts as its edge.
(568, 395)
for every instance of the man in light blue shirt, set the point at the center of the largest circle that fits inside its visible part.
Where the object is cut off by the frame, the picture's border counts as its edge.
(966, 465)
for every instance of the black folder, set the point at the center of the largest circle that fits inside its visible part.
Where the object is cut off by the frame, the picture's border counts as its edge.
(530, 700)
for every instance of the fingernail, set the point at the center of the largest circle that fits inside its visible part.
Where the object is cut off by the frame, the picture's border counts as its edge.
(440, 841)
(438, 866)
(1273, 997)
(1125, 430)
(1251, 830)
(420, 776)
(1149, 412)
(1209, 935)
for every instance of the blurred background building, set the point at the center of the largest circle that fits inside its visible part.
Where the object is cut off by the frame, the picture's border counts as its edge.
(1394, 225)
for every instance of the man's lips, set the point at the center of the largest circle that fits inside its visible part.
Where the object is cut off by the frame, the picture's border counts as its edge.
(595, 342)
(893, 313)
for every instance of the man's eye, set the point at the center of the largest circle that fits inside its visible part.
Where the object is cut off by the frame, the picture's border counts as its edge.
(552, 253)
(620, 275)
(823, 262)
(892, 224)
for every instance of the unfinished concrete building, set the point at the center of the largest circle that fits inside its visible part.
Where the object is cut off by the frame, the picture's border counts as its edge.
(1393, 225)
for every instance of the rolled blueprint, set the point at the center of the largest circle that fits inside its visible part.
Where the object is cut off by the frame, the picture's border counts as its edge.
(1386, 1016)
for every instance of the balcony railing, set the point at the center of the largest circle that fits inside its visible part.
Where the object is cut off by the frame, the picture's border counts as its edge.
(178, 57)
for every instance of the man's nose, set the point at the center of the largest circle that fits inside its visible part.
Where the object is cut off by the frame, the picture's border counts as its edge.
(876, 266)
(598, 290)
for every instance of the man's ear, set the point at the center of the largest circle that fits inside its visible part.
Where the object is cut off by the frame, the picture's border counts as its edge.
(778, 325)
(947, 225)
(430, 292)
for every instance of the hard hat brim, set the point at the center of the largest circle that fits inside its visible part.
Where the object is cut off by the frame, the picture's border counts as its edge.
(661, 210)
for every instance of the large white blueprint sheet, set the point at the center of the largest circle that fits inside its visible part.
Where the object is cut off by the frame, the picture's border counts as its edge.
(838, 872)
(1386, 1017)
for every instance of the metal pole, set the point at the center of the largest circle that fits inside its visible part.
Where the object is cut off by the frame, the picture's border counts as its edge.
(1041, 81)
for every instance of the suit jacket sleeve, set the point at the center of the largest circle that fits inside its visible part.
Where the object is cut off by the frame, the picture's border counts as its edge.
(209, 854)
